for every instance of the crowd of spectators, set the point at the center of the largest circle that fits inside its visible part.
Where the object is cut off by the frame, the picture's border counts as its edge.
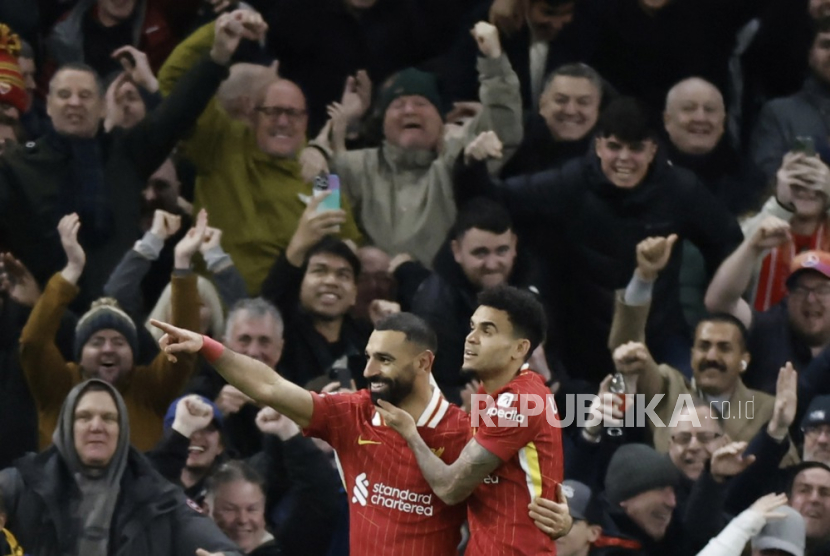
(655, 172)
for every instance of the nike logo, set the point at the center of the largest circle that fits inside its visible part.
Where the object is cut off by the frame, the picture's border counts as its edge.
(362, 442)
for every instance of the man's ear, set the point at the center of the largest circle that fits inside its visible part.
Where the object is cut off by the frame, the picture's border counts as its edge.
(594, 531)
(455, 245)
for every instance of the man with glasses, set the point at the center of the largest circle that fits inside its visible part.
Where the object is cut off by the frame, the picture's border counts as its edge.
(249, 176)
(795, 330)
(690, 447)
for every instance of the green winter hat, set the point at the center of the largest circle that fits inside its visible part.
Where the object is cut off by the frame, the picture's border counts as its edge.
(409, 82)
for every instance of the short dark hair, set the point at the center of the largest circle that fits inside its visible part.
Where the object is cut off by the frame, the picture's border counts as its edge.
(524, 310)
(627, 119)
(796, 470)
(729, 319)
(483, 214)
(332, 246)
(80, 66)
(416, 329)
(232, 471)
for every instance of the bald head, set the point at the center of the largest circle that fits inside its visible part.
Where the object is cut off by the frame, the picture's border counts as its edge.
(694, 116)
(281, 120)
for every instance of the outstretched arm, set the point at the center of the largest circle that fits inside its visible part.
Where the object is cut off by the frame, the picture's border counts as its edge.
(252, 377)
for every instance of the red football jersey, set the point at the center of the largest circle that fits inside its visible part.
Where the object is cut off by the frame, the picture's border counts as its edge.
(392, 509)
(533, 466)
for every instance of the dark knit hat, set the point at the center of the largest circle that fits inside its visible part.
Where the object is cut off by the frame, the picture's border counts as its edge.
(105, 314)
(638, 468)
(818, 412)
(409, 82)
(12, 86)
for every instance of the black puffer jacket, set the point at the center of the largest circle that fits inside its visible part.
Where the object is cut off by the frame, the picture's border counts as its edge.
(594, 228)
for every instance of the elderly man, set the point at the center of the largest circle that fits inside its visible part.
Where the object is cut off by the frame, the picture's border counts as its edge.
(78, 168)
(803, 114)
(402, 191)
(114, 502)
(106, 345)
(249, 172)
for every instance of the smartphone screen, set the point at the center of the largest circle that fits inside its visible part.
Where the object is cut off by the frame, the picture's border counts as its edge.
(804, 144)
(332, 202)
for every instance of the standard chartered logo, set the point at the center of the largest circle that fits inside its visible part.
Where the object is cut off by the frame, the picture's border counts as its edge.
(403, 500)
(361, 490)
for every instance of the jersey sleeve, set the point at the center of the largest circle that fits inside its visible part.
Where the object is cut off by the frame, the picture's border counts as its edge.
(333, 418)
(511, 423)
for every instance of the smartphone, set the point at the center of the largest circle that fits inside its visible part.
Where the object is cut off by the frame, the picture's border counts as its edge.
(804, 144)
(332, 184)
(341, 373)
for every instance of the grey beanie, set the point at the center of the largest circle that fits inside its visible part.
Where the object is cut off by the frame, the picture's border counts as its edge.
(638, 468)
(105, 314)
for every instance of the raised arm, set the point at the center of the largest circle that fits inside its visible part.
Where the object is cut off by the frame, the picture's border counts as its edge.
(49, 376)
(733, 276)
(228, 280)
(252, 377)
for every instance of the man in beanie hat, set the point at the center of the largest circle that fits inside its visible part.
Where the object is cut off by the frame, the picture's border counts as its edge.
(106, 344)
(12, 86)
(112, 501)
(403, 190)
(785, 535)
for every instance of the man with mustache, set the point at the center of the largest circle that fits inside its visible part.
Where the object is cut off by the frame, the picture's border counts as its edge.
(719, 356)
(388, 494)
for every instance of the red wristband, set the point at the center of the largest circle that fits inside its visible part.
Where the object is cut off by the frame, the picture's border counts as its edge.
(211, 349)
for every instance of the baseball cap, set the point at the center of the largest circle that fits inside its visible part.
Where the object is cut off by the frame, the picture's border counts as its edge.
(171, 413)
(581, 501)
(786, 534)
(818, 261)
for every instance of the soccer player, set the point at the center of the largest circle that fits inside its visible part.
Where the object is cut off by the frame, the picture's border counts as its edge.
(515, 455)
(392, 507)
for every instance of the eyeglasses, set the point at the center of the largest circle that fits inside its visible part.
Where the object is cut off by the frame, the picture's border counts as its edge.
(292, 114)
(684, 438)
(821, 292)
(815, 431)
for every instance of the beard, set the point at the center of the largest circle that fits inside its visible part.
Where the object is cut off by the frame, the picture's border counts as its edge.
(395, 392)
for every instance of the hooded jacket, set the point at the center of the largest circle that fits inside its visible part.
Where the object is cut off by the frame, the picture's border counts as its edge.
(46, 507)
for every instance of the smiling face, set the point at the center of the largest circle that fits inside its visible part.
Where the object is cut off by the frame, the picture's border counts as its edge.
(238, 508)
(691, 447)
(258, 337)
(808, 307)
(717, 355)
(96, 428)
(485, 257)
(652, 510)
(810, 497)
(281, 120)
(625, 164)
(412, 122)
(106, 355)
(392, 365)
(205, 446)
(695, 116)
(75, 104)
(570, 107)
(328, 289)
